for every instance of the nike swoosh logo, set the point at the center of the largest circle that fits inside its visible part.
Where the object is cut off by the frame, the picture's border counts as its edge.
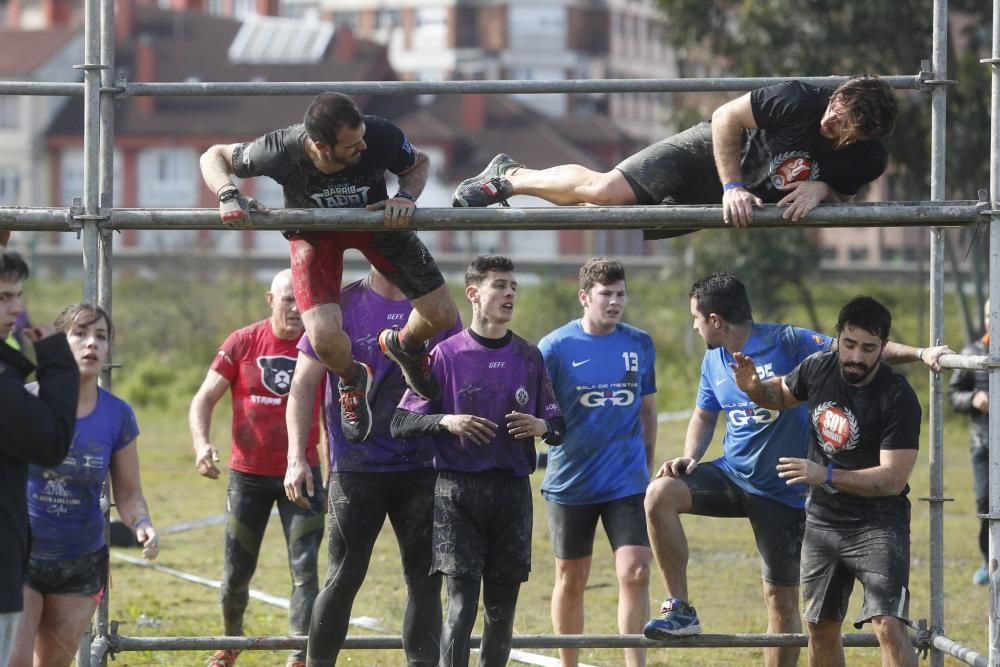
(720, 381)
(580, 363)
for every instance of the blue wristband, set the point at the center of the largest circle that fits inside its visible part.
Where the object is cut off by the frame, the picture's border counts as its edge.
(405, 195)
(732, 184)
(829, 474)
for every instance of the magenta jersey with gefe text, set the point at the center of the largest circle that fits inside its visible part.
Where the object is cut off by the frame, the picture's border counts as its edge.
(490, 383)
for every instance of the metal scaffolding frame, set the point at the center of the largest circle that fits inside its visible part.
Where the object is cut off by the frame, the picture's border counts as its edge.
(95, 219)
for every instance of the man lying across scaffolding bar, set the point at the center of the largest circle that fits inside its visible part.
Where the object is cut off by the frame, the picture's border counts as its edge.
(793, 144)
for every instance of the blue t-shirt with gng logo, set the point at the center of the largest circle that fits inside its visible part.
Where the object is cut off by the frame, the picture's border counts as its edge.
(757, 437)
(64, 505)
(599, 382)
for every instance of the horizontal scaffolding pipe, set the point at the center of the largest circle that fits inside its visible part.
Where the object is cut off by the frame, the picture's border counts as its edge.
(522, 641)
(733, 84)
(248, 88)
(959, 652)
(968, 361)
(664, 218)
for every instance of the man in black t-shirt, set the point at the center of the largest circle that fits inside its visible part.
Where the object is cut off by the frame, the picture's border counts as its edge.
(866, 430)
(338, 158)
(792, 143)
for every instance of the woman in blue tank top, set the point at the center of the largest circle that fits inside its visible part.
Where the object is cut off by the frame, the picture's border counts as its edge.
(68, 566)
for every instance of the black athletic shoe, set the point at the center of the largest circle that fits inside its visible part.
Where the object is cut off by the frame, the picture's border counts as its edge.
(490, 186)
(355, 410)
(416, 367)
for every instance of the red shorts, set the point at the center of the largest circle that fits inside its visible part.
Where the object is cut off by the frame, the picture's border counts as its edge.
(318, 263)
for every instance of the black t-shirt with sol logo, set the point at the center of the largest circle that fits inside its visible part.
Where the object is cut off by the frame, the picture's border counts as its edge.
(787, 146)
(281, 155)
(850, 427)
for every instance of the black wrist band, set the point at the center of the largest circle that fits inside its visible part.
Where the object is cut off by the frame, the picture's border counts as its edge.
(403, 194)
(228, 195)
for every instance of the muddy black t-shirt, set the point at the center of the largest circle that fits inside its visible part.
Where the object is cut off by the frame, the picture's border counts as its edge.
(850, 427)
(788, 147)
(281, 155)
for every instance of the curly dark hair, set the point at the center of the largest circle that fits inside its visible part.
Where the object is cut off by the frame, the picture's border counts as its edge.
(327, 114)
(600, 270)
(870, 106)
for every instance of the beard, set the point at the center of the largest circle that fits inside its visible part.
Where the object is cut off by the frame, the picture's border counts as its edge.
(854, 373)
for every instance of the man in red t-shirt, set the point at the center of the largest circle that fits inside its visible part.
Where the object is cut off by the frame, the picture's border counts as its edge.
(257, 363)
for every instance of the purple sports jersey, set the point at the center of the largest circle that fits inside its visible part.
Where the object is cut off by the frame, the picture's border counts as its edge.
(489, 383)
(365, 315)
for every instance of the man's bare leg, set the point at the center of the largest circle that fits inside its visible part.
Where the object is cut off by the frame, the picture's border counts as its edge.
(632, 570)
(325, 327)
(432, 313)
(782, 604)
(826, 648)
(897, 649)
(571, 184)
(567, 603)
(666, 499)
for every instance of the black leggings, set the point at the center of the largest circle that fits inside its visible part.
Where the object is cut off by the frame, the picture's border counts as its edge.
(499, 601)
(359, 504)
(248, 507)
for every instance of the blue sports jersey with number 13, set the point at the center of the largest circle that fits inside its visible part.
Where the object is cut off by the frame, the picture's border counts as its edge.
(599, 382)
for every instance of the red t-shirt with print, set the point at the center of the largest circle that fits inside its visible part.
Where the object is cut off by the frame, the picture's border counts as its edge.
(259, 367)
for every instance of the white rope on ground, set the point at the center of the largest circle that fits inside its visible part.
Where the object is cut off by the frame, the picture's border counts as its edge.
(366, 622)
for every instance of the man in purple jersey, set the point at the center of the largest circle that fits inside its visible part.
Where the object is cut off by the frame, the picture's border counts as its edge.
(482, 500)
(369, 480)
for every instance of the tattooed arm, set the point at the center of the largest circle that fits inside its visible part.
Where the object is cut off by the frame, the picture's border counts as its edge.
(772, 394)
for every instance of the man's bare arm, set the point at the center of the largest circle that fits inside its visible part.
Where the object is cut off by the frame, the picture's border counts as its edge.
(217, 166)
(772, 394)
(888, 478)
(414, 179)
(728, 123)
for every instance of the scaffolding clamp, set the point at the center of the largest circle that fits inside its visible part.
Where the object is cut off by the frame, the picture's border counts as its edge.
(92, 67)
(120, 88)
(926, 76)
(923, 641)
(936, 499)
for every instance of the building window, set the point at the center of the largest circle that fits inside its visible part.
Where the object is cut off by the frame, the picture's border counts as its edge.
(890, 254)
(244, 8)
(215, 7)
(386, 19)
(10, 183)
(829, 253)
(857, 254)
(71, 177)
(9, 111)
(345, 21)
(168, 178)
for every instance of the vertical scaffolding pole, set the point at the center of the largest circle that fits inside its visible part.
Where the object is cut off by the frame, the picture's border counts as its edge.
(91, 138)
(939, 66)
(994, 372)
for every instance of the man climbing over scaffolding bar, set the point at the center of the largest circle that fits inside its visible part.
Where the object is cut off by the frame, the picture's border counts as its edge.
(793, 144)
(337, 158)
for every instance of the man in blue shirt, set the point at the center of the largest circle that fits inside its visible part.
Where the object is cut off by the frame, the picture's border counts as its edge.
(744, 482)
(604, 375)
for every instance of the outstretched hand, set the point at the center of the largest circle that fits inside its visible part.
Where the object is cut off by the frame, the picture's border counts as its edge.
(745, 373)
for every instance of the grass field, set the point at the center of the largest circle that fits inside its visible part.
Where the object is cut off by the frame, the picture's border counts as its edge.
(724, 571)
(167, 333)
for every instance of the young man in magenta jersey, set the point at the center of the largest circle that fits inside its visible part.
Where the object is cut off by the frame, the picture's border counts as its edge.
(496, 399)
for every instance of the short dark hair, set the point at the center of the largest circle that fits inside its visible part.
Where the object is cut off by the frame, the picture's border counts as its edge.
(482, 265)
(83, 314)
(870, 104)
(12, 266)
(865, 313)
(722, 294)
(600, 270)
(327, 114)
